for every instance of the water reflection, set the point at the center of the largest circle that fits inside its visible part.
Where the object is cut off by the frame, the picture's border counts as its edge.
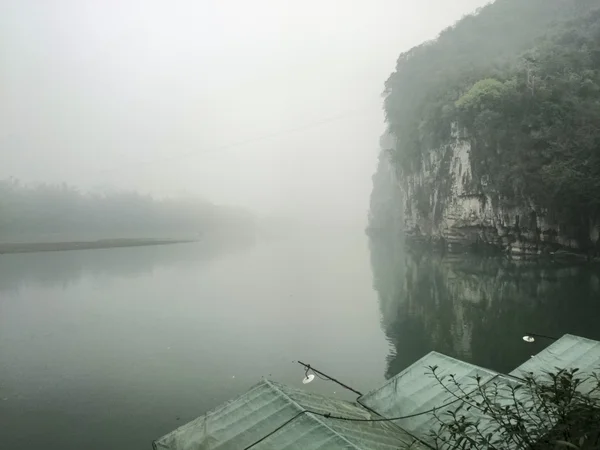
(62, 269)
(477, 308)
(110, 349)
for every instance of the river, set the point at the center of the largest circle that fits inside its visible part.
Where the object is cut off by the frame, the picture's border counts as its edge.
(114, 348)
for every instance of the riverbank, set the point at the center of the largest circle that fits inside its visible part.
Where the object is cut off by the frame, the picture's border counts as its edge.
(35, 247)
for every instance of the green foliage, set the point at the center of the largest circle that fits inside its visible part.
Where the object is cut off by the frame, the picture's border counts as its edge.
(558, 410)
(484, 94)
(428, 79)
(523, 80)
(536, 136)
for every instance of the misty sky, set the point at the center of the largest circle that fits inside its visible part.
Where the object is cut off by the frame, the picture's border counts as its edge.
(144, 94)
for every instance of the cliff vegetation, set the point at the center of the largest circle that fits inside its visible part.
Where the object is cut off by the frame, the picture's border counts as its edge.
(520, 83)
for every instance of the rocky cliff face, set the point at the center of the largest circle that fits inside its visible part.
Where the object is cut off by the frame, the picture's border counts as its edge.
(442, 203)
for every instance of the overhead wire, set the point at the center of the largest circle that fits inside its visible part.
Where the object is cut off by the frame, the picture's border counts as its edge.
(263, 137)
(119, 38)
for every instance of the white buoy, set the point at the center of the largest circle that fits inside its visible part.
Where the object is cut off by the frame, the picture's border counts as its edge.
(308, 378)
(528, 338)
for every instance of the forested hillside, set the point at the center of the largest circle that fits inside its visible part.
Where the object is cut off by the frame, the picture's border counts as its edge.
(520, 81)
(43, 212)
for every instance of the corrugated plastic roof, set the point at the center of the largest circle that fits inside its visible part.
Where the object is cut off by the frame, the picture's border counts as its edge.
(567, 352)
(268, 405)
(415, 390)
(251, 416)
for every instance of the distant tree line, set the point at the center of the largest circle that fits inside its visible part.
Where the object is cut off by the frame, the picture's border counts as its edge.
(63, 212)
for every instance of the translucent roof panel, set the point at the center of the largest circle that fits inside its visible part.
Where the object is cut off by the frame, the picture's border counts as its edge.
(268, 405)
(372, 435)
(234, 424)
(415, 390)
(568, 352)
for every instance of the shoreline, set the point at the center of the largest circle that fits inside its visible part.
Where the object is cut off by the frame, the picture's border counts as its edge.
(38, 247)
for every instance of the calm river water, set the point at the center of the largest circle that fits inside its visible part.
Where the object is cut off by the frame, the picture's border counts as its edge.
(113, 348)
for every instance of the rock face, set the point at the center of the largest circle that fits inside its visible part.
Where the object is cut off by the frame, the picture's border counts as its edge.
(443, 204)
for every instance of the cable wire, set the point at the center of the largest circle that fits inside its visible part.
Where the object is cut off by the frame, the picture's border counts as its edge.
(260, 138)
(350, 419)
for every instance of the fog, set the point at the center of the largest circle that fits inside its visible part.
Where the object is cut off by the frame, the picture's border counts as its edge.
(267, 104)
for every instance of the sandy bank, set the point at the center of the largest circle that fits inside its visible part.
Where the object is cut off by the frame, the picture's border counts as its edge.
(33, 247)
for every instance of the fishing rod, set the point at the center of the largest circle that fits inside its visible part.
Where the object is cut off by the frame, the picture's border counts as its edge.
(530, 337)
(318, 372)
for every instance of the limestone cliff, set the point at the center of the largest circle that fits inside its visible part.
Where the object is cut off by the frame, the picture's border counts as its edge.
(492, 136)
(443, 203)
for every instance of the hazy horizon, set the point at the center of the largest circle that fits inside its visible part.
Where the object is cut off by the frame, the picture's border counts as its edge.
(271, 106)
